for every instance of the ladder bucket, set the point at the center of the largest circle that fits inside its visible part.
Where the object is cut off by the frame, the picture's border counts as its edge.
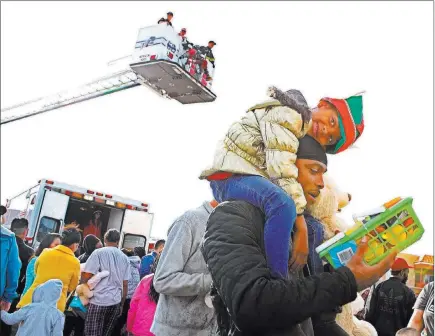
(171, 79)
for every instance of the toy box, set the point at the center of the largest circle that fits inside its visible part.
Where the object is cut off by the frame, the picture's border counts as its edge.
(393, 226)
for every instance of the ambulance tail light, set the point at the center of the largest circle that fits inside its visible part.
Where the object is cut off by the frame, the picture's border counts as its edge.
(77, 195)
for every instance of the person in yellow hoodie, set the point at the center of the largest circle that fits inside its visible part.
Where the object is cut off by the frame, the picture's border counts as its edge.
(256, 163)
(57, 263)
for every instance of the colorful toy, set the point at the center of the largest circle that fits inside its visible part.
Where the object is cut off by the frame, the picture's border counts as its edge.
(395, 225)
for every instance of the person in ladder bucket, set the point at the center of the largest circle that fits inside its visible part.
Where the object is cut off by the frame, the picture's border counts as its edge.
(184, 41)
(169, 16)
(207, 51)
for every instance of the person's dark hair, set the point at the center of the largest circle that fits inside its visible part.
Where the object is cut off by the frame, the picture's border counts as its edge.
(19, 225)
(139, 251)
(127, 252)
(112, 236)
(159, 243)
(152, 293)
(396, 273)
(3, 210)
(94, 215)
(46, 242)
(70, 237)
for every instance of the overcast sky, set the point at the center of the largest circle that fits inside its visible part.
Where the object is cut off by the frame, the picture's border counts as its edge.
(137, 145)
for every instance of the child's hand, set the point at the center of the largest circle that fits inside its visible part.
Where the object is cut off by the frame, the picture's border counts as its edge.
(300, 245)
(4, 305)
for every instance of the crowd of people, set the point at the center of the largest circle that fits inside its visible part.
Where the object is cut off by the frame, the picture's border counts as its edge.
(199, 55)
(244, 263)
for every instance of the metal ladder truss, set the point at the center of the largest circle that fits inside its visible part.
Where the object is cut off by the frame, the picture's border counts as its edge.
(115, 82)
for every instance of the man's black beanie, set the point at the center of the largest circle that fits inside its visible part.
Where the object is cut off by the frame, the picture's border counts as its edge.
(310, 149)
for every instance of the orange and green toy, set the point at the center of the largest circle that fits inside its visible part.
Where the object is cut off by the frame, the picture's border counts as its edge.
(394, 226)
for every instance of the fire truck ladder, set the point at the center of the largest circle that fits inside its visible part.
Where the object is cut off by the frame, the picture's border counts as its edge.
(116, 82)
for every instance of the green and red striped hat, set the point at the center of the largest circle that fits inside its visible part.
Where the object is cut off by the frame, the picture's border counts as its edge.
(350, 120)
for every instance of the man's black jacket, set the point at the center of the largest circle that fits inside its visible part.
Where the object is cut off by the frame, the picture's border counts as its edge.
(257, 303)
(391, 307)
(25, 252)
(208, 54)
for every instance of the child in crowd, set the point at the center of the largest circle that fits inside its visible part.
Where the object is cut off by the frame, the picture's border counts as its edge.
(143, 306)
(41, 317)
(133, 282)
(256, 163)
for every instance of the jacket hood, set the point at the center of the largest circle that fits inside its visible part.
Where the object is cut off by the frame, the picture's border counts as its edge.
(134, 261)
(49, 292)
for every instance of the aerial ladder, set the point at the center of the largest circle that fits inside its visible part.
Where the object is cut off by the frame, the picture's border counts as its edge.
(157, 63)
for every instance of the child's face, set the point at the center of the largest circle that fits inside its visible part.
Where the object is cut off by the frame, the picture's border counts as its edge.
(325, 128)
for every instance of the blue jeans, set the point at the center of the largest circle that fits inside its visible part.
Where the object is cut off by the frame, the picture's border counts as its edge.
(278, 207)
(315, 238)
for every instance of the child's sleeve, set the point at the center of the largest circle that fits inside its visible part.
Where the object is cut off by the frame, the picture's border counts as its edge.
(95, 280)
(280, 129)
(15, 317)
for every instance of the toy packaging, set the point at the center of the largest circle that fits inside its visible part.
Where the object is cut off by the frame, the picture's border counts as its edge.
(395, 225)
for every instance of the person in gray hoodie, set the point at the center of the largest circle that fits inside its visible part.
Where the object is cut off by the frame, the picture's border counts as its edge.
(133, 282)
(183, 280)
(41, 317)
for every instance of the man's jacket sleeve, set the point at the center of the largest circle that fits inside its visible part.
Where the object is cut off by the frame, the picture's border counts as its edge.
(12, 272)
(170, 278)
(255, 300)
(280, 129)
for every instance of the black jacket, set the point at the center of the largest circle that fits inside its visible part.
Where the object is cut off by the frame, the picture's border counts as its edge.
(208, 54)
(257, 303)
(25, 252)
(390, 307)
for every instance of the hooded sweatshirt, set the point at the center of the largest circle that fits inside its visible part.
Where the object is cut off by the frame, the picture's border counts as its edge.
(183, 280)
(134, 280)
(41, 317)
